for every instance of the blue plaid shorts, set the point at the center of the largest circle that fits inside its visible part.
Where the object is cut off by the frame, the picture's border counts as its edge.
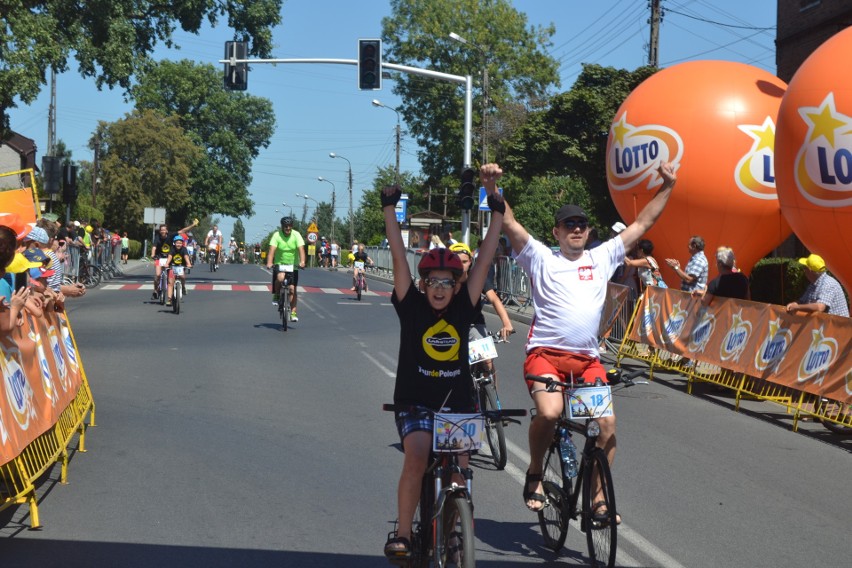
(415, 420)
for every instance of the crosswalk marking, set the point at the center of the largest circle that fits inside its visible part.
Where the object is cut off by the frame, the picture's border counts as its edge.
(148, 286)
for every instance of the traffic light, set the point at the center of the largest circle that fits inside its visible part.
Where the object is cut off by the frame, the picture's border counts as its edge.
(51, 172)
(69, 183)
(236, 75)
(369, 64)
(467, 190)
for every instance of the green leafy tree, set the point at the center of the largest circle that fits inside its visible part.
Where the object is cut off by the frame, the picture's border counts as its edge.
(536, 201)
(568, 138)
(112, 41)
(369, 219)
(232, 127)
(519, 69)
(146, 161)
(239, 231)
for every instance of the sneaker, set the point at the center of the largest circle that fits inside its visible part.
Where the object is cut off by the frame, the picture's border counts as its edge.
(169, 304)
(293, 316)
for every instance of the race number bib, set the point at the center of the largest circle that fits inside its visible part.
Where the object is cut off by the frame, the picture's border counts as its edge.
(590, 402)
(162, 262)
(457, 432)
(178, 270)
(482, 350)
(285, 268)
(359, 264)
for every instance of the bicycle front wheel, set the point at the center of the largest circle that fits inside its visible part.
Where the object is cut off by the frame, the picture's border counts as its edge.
(493, 427)
(599, 510)
(458, 546)
(553, 518)
(91, 276)
(284, 305)
(176, 298)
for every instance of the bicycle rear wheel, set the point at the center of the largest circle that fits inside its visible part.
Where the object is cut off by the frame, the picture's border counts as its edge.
(553, 518)
(91, 276)
(493, 427)
(601, 528)
(458, 547)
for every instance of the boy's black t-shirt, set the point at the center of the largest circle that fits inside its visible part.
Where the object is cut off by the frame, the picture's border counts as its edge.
(360, 256)
(433, 352)
(178, 257)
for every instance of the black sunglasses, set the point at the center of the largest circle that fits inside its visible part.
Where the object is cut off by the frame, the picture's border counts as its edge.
(572, 224)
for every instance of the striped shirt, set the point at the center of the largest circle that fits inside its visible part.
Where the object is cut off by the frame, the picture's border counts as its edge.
(55, 281)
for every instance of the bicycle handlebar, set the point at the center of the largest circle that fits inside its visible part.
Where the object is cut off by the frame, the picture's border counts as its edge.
(551, 384)
(494, 414)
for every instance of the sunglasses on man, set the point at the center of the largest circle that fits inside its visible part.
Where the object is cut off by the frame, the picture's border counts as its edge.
(572, 224)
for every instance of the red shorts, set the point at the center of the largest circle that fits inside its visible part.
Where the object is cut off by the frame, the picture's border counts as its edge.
(564, 364)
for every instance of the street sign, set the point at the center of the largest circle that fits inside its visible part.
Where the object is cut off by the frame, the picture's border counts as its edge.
(312, 228)
(154, 216)
(312, 238)
(402, 208)
(483, 198)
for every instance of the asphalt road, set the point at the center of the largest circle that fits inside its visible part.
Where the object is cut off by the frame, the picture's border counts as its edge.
(223, 441)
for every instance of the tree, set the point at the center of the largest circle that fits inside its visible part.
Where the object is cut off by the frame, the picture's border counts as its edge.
(239, 232)
(568, 138)
(111, 41)
(369, 219)
(232, 127)
(519, 69)
(146, 161)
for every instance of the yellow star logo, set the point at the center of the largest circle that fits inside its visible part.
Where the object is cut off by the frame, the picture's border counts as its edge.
(763, 134)
(619, 130)
(823, 123)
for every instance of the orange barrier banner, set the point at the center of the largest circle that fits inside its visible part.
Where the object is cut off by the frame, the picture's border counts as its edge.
(41, 376)
(616, 296)
(804, 352)
(19, 201)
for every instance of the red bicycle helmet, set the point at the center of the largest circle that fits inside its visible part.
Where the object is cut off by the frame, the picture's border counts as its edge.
(440, 259)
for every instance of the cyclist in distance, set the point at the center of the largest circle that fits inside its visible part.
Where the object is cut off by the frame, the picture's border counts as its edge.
(478, 330)
(214, 242)
(179, 257)
(162, 247)
(360, 256)
(286, 247)
(568, 292)
(432, 370)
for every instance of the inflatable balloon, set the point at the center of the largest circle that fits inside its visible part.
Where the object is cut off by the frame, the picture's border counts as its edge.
(814, 155)
(716, 121)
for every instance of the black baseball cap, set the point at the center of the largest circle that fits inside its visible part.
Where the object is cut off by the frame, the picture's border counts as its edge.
(568, 211)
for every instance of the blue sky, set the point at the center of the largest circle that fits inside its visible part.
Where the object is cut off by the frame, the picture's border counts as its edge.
(320, 110)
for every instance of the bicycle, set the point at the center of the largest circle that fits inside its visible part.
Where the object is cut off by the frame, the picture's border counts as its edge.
(360, 280)
(564, 487)
(211, 259)
(481, 351)
(284, 294)
(177, 288)
(445, 512)
(89, 274)
(164, 280)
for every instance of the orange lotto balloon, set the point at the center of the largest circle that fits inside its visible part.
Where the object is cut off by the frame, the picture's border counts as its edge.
(814, 145)
(716, 121)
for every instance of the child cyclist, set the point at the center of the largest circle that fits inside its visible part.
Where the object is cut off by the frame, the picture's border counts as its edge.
(179, 261)
(432, 370)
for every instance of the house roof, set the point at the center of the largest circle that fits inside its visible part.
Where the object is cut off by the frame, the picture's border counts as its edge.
(20, 143)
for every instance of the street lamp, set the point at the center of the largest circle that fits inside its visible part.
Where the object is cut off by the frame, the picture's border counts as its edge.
(351, 219)
(333, 200)
(485, 99)
(378, 103)
(305, 209)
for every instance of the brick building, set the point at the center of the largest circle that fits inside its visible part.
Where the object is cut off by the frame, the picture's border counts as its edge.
(803, 25)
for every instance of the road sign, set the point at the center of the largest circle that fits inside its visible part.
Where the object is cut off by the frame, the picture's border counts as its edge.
(312, 228)
(402, 208)
(312, 238)
(483, 198)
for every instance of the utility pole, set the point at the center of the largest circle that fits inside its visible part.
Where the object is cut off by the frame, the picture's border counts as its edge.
(485, 101)
(95, 172)
(654, 44)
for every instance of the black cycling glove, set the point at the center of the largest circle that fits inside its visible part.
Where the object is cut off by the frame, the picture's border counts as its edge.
(392, 199)
(496, 204)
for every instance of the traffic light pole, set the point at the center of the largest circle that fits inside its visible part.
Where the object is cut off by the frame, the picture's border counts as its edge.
(458, 79)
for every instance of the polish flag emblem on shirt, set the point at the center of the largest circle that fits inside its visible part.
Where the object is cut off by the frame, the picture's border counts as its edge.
(586, 273)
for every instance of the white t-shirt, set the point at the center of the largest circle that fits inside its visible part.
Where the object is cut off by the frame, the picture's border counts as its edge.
(215, 238)
(334, 249)
(568, 296)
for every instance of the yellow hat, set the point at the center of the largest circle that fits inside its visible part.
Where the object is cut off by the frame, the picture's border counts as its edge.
(461, 247)
(21, 264)
(89, 228)
(813, 262)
